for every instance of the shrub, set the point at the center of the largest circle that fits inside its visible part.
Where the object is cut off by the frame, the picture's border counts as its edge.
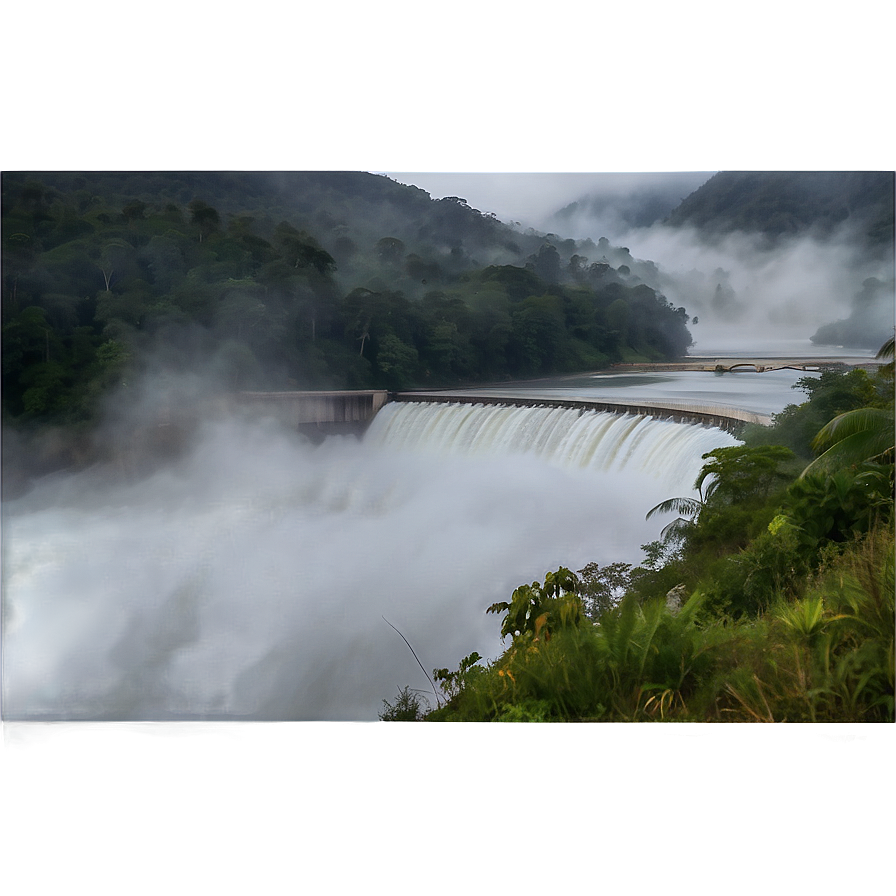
(406, 708)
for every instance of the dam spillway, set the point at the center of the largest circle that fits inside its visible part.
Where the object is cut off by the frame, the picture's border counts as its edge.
(730, 419)
(573, 438)
(320, 413)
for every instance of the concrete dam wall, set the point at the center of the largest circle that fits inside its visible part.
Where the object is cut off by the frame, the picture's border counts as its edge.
(319, 414)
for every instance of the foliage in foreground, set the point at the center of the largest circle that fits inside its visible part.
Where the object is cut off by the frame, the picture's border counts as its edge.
(770, 599)
(826, 656)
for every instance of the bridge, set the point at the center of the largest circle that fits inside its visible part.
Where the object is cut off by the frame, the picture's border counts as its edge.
(760, 365)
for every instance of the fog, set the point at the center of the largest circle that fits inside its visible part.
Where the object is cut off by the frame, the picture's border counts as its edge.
(746, 295)
(745, 291)
(252, 577)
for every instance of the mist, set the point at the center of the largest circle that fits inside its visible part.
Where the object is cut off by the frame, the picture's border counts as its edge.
(751, 295)
(251, 575)
(560, 201)
(744, 294)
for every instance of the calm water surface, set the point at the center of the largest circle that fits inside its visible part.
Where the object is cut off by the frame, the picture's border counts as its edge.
(763, 393)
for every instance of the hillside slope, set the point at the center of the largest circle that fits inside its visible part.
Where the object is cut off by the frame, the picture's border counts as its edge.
(778, 203)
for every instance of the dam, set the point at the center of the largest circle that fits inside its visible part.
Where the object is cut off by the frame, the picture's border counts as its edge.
(318, 414)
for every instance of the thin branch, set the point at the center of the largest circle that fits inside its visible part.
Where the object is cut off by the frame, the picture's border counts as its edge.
(403, 638)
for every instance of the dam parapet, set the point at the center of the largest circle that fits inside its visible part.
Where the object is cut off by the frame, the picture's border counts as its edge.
(319, 414)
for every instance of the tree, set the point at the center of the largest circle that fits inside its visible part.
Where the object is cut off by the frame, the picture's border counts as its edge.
(204, 217)
(397, 361)
(865, 434)
(602, 587)
(689, 508)
(134, 210)
(740, 472)
(390, 250)
(535, 610)
(116, 257)
(545, 263)
(406, 708)
(301, 250)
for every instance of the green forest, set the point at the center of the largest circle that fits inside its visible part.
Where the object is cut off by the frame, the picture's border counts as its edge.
(767, 598)
(302, 281)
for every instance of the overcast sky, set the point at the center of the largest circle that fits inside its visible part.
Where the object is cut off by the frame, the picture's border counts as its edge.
(532, 198)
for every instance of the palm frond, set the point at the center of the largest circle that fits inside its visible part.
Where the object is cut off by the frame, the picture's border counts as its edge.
(854, 437)
(852, 422)
(689, 506)
(856, 448)
(676, 529)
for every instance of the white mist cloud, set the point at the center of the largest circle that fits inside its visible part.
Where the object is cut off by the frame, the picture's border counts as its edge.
(748, 295)
(250, 578)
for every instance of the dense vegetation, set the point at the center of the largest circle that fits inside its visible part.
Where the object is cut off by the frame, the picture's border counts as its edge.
(769, 598)
(314, 280)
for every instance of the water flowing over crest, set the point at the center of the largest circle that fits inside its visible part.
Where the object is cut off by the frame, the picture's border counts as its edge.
(574, 439)
(250, 579)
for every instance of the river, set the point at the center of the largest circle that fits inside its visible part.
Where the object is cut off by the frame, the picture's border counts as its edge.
(253, 578)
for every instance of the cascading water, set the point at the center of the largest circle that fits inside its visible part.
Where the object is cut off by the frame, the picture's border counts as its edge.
(570, 438)
(250, 580)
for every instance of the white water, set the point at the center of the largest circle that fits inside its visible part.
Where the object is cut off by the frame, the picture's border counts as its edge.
(250, 579)
(562, 437)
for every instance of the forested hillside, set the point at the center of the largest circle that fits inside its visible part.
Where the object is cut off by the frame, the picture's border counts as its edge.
(296, 280)
(780, 203)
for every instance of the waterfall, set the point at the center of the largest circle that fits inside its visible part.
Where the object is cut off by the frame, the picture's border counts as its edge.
(249, 580)
(564, 437)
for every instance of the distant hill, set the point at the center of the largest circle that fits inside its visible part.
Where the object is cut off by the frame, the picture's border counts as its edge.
(779, 203)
